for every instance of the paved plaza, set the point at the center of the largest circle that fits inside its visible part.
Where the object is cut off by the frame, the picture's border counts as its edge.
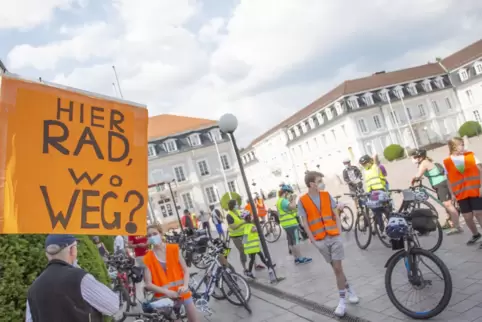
(365, 268)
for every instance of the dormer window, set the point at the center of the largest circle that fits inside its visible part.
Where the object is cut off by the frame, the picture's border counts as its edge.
(303, 127)
(315, 121)
(368, 99)
(383, 95)
(290, 135)
(297, 130)
(463, 75)
(353, 102)
(478, 68)
(308, 125)
(398, 92)
(216, 135)
(151, 150)
(329, 114)
(170, 145)
(427, 86)
(195, 140)
(312, 124)
(338, 108)
(412, 89)
(439, 82)
(319, 117)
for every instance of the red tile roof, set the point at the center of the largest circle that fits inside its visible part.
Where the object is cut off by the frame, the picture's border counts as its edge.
(167, 124)
(375, 81)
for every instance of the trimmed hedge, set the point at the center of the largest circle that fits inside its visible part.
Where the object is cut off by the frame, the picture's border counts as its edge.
(470, 129)
(226, 197)
(393, 152)
(22, 259)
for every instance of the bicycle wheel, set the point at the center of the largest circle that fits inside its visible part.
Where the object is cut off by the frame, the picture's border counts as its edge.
(195, 279)
(233, 281)
(363, 227)
(380, 233)
(124, 303)
(423, 314)
(271, 231)
(346, 218)
(201, 261)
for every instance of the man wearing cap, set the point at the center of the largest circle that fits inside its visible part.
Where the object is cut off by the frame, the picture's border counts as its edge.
(64, 292)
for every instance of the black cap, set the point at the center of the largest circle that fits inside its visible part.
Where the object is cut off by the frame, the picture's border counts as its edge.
(59, 240)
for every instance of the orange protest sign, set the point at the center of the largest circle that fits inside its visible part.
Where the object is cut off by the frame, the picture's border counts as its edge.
(70, 162)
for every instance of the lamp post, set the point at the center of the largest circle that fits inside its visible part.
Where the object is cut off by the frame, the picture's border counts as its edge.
(228, 124)
(168, 179)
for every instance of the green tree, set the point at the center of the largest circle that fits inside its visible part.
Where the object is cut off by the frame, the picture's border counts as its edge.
(228, 196)
(470, 129)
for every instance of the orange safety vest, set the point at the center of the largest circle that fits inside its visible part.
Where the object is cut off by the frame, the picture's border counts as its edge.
(248, 208)
(173, 279)
(467, 184)
(320, 223)
(261, 208)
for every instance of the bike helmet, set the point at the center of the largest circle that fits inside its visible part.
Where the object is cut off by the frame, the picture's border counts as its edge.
(420, 153)
(365, 159)
(397, 227)
(286, 187)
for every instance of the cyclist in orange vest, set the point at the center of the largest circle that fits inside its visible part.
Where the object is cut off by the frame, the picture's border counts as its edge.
(166, 272)
(322, 224)
(463, 171)
(262, 212)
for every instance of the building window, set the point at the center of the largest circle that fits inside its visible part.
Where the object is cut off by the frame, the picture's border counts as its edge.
(439, 82)
(412, 89)
(435, 107)
(324, 138)
(187, 200)
(171, 146)
(319, 117)
(151, 150)
(225, 162)
(362, 125)
(409, 113)
(179, 173)
(394, 117)
(368, 100)
(478, 68)
(448, 103)
(427, 86)
(195, 140)
(211, 195)
(334, 134)
(303, 128)
(232, 186)
(383, 95)
(353, 103)
(292, 131)
(216, 135)
(421, 109)
(463, 75)
(477, 116)
(203, 168)
(470, 96)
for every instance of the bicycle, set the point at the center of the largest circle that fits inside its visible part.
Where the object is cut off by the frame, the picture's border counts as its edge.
(272, 228)
(409, 251)
(122, 272)
(346, 216)
(163, 310)
(218, 275)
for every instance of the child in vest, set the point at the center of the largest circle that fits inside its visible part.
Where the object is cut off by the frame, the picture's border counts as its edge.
(251, 244)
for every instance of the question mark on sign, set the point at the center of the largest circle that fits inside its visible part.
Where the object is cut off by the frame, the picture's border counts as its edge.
(131, 226)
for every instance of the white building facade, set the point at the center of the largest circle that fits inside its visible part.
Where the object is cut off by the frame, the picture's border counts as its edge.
(416, 107)
(191, 160)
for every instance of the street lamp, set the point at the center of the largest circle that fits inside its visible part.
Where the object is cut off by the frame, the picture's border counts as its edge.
(168, 179)
(228, 124)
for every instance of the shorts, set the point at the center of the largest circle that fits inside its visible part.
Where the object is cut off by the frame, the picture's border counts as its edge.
(140, 261)
(331, 248)
(443, 191)
(470, 204)
(293, 235)
(219, 229)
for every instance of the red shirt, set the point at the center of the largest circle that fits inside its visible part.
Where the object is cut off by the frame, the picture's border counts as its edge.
(139, 251)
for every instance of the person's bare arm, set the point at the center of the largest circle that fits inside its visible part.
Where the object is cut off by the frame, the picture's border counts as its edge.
(293, 205)
(421, 169)
(376, 159)
(185, 270)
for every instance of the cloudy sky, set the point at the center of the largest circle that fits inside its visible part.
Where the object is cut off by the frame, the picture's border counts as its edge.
(261, 60)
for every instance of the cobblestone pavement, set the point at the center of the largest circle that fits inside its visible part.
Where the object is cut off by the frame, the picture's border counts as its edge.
(365, 271)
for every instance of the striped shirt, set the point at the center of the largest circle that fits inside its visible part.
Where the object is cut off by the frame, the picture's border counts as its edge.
(102, 298)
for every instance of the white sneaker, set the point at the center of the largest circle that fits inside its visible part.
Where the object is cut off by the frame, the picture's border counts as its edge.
(340, 309)
(352, 298)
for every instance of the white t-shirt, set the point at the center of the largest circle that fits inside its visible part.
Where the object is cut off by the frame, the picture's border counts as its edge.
(459, 161)
(119, 243)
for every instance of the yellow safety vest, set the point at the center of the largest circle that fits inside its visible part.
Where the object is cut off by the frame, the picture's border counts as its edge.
(238, 225)
(374, 179)
(250, 240)
(286, 219)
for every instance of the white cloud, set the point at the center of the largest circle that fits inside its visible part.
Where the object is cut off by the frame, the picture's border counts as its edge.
(229, 64)
(24, 14)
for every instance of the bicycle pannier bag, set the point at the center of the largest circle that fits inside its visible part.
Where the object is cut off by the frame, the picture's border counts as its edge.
(424, 220)
(136, 274)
